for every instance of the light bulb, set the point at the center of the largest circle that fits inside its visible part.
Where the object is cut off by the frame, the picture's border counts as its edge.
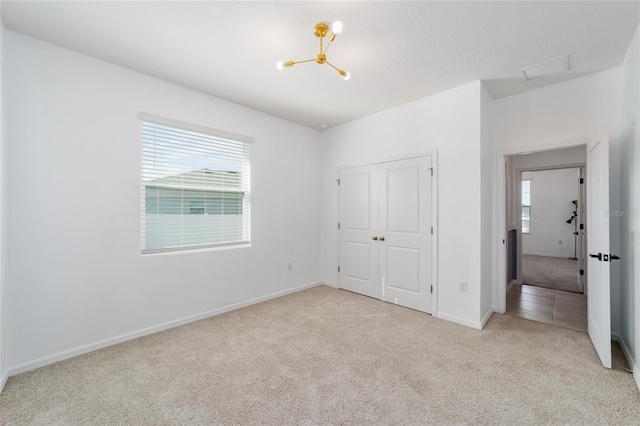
(336, 27)
(280, 65)
(346, 76)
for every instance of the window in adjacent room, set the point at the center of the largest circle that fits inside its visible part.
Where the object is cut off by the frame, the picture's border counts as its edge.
(195, 186)
(526, 206)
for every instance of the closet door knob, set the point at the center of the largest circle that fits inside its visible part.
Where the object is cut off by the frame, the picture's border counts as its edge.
(381, 238)
(374, 238)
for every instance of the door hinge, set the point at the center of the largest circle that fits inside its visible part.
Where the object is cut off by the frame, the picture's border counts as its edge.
(431, 170)
(582, 226)
(432, 230)
(338, 225)
(338, 180)
(431, 289)
(581, 181)
(581, 271)
(338, 269)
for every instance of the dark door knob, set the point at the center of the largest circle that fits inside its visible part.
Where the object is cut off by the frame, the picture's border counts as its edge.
(613, 257)
(597, 256)
(381, 238)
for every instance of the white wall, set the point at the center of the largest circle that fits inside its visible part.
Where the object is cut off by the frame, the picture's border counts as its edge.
(551, 194)
(568, 113)
(75, 273)
(450, 123)
(561, 112)
(630, 204)
(489, 223)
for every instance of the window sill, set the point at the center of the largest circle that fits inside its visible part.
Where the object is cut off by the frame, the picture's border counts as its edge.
(196, 249)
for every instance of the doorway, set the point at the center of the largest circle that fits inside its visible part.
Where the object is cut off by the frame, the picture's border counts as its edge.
(598, 258)
(552, 205)
(546, 215)
(386, 231)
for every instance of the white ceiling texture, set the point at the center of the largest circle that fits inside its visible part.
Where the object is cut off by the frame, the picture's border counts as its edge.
(395, 51)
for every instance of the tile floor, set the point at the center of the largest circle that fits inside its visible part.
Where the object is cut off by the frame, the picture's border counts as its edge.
(549, 306)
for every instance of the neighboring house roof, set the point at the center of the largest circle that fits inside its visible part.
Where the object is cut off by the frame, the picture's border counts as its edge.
(200, 180)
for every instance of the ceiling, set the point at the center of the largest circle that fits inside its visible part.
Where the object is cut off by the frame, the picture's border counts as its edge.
(396, 51)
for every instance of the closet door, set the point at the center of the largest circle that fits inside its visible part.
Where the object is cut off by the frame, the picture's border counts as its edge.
(404, 238)
(358, 228)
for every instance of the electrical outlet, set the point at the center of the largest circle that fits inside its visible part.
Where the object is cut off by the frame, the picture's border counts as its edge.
(462, 286)
(290, 266)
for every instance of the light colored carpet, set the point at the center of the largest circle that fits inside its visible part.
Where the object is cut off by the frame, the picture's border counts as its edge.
(550, 272)
(327, 356)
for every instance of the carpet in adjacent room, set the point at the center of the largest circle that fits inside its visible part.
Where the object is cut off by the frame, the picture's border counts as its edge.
(556, 273)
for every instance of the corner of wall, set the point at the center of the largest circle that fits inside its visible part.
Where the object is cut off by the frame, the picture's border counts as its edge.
(3, 251)
(629, 356)
(488, 209)
(458, 320)
(3, 379)
(486, 317)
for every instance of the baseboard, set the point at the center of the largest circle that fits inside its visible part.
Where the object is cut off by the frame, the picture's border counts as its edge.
(461, 321)
(485, 318)
(61, 356)
(329, 284)
(3, 379)
(629, 357)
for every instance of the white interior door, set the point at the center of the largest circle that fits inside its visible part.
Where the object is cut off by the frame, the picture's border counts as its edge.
(358, 226)
(598, 262)
(405, 233)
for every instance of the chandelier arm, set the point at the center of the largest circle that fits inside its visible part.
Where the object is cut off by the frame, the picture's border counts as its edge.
(333, 66)
(306, 60)
(327, 48)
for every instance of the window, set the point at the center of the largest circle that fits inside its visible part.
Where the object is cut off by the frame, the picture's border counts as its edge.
(526, 206)
(195, 186)
(196, 206)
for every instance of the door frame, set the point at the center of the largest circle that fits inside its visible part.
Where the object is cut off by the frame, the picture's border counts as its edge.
(434, 214)
(500, 292)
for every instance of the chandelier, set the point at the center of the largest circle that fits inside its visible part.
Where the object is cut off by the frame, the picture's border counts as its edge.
(320, 30)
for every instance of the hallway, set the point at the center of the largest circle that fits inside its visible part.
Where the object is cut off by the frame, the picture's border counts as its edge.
(555, 307)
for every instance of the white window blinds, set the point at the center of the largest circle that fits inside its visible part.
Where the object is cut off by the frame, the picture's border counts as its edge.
(195, 186)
